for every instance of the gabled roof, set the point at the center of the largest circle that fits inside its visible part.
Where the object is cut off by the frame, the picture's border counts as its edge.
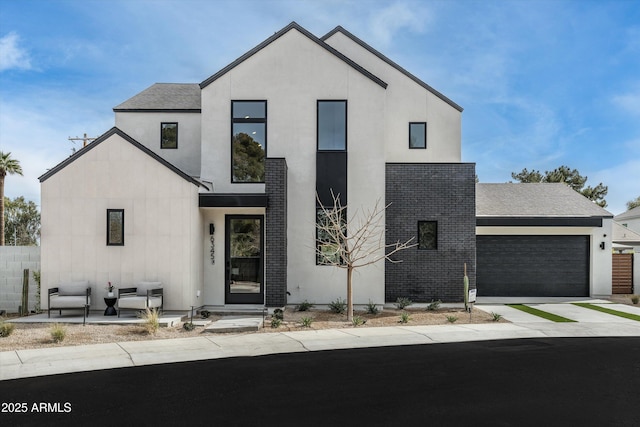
(279, 34)
(115, 131)
(630, 214)
(339, 29)
(182, 97)
(621, 234)
(534, 200)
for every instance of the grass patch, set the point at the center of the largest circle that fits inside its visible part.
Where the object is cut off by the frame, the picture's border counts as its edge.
(540, 313)
(608, 311)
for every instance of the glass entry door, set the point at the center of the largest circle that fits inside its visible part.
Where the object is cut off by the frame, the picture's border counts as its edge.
(244, 270)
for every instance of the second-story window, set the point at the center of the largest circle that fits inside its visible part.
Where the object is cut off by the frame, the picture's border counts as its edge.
(169, 135)
(248, 140)
(418, 135)
(332, 125)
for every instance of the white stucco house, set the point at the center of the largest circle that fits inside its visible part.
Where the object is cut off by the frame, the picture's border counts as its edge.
(210, 188)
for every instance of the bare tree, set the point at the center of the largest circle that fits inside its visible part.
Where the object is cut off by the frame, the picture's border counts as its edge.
(354, 243)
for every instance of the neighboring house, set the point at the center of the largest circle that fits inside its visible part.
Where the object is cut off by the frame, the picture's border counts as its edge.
(541, 240)
(211, 188)
(627, 247)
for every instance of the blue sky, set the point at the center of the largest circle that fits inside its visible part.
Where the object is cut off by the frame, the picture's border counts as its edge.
(543, 83)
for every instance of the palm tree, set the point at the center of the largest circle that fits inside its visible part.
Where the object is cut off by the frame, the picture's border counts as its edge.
(7, 166)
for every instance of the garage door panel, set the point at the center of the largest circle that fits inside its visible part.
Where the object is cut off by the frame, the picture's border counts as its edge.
(533, 265)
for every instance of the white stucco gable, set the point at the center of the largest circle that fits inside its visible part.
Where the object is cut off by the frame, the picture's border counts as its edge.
(410, 100)
(162, 222)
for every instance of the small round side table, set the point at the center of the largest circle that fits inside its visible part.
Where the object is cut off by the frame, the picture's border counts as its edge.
(111, 310)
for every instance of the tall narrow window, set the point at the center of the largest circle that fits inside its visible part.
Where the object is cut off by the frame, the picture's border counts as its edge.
(248, 140)
(427, 235)
(328, 242)
(418, 135)
(169, 135)
(332, 125)
(115, 227)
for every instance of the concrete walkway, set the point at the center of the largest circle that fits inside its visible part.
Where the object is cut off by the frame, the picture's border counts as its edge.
(49, 361)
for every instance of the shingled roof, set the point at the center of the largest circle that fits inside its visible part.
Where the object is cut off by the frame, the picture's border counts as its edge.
(552, 200)
(630, 214)
(184, 97)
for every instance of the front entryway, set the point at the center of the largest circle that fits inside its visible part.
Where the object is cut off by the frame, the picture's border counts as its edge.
(244, 262)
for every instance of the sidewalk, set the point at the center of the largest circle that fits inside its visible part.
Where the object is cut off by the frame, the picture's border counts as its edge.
(50, 361)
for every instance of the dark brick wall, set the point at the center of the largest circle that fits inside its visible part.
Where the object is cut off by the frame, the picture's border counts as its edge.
(442, 192)
(276, 232)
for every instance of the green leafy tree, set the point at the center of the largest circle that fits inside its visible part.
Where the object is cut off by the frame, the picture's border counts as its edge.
(22, 222)
(8, 166)
(248, 159)
(569, 176)
(633, 203)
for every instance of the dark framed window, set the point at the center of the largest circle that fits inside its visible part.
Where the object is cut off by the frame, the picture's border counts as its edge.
(248, 140)
(332, 125)
(115, 227)
(428, 235)
(328, 248)
(169, 135)
(418, 135)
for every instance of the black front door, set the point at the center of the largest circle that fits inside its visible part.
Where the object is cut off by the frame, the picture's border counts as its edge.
(244, 272)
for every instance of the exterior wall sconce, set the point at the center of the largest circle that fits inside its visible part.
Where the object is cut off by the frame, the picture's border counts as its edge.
(602, 245)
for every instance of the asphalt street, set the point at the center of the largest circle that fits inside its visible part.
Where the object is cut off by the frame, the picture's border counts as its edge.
(537, 381)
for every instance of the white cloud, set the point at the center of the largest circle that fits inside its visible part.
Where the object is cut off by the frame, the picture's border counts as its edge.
(630, 102)
(386, 22)
(11, 55)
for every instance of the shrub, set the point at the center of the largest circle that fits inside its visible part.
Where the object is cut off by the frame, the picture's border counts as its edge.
(338, 306)
(151, 319)
(205, 314)
(402, 303)
(188, 326)
(496, 317)
(452, 319)
(357, 321)
(58, 332)
(278, 314)
(304, 306)
(275, 322)
(635, 299)
(371, 308)
(306, 321)
(6, 329)
(434, 305)
(404, 317)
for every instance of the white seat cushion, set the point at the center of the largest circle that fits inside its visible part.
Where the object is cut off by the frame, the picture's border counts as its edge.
(143, 287)
(73, 288)
(138, 303)
(68, 301)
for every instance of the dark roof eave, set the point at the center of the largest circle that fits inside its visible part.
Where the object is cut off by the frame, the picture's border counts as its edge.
(279, 34)
(540, 221)
(156, 110)
(340, 29)
(104, 137)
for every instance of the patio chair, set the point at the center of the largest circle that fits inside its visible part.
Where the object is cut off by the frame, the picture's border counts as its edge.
(144, 295)
(70, 295)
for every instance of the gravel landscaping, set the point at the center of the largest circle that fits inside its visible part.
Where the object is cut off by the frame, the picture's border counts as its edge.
(38, 335)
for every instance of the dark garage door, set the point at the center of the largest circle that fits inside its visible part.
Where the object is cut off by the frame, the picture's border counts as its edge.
(549, 266)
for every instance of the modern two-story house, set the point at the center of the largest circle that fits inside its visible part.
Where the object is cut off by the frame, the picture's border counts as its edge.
(215, 189)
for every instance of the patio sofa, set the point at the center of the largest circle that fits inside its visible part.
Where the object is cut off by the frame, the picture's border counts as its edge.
(70, 295)
(144, 295)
